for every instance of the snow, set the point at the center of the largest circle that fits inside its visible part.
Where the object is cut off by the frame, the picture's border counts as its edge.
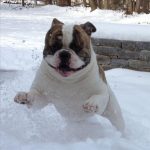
(22, 41)
(21, 128)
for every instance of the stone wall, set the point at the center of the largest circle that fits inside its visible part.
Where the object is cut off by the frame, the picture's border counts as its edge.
(122, 54)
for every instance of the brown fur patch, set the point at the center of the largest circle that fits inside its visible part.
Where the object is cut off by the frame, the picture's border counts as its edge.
(102, 73)
(81, 43)
(53, 40)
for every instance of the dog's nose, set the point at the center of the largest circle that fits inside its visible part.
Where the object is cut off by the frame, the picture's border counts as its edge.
(64, 55)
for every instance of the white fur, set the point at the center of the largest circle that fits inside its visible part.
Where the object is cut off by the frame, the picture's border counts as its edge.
(75, 61)
(67, 34)
(75, 97)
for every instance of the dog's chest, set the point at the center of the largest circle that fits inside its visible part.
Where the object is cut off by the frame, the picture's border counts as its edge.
(69, 98)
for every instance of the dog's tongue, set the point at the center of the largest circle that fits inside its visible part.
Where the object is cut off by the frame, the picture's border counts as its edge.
(65, 73)
(64, 70)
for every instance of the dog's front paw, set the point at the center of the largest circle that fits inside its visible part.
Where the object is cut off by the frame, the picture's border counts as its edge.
(22, 98)
(90, 107)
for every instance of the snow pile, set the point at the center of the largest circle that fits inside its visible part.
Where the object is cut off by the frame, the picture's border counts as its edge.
(22, 128)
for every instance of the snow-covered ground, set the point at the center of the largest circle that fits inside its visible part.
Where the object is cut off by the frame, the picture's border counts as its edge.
(21, 45)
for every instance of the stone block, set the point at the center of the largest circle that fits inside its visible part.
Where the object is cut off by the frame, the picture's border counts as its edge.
(107, 51)
(129, 45)
(119, 63)
(126, 54)
(135, 45)
(143, 45)
(103, 59)
(107, 67)
(139, 65)
(145, 55)
(106, 42)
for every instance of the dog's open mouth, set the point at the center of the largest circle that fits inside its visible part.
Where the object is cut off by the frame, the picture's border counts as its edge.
(65, 70)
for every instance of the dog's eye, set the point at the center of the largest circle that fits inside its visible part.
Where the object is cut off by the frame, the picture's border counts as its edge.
(56, 46)
(76, 47)
(84, 56)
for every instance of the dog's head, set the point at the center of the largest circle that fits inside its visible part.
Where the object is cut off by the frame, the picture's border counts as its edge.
(68, 47)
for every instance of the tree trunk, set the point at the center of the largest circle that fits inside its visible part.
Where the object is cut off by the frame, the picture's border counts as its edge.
(115, 4)
(68, 2)
(100, 4)
(46, 2)
(23, 4)
(105, 4)
(93, 4)
(50, 1)
(63, 2)
(134, 5)
(129, 9)
(84, 3)
(146, 6)
(109, 4)
(138, 4)
(124, 4)
(35, 2)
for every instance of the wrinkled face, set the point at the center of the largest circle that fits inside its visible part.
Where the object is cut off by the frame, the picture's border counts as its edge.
(67, 47)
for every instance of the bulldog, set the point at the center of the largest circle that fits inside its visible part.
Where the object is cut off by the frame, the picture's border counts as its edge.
(70, 78)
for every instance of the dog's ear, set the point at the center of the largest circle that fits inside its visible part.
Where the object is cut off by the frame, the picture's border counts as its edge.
(56, 22)
(88, 28)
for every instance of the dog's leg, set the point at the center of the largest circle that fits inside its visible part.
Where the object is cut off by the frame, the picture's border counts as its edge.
(96, 104)
(113, 113)
(107, 106)
(25, 97)
(31, 99)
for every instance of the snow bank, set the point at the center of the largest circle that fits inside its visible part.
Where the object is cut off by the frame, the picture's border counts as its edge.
(123, 31)
(22, 128)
